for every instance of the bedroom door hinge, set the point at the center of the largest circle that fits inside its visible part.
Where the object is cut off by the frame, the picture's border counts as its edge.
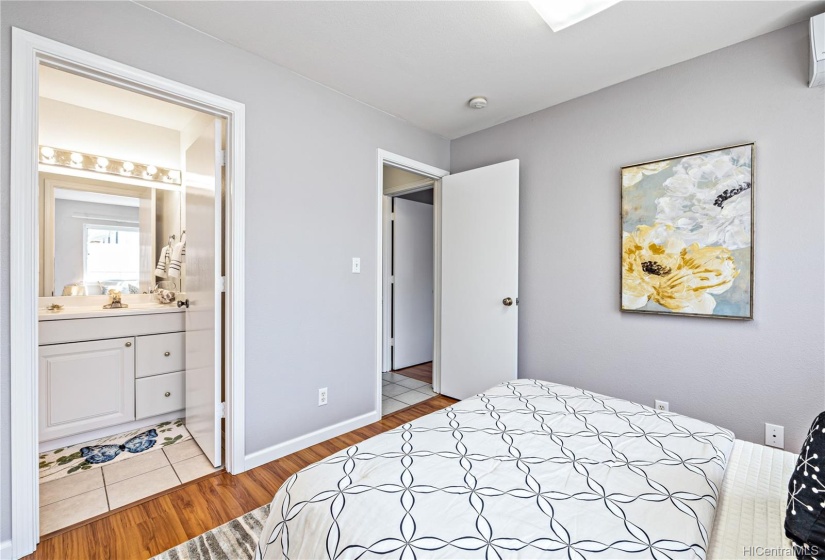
(223, 157)
(392, 216)
(392, 342)
(222, 284)
(222, 409)
(392, 279)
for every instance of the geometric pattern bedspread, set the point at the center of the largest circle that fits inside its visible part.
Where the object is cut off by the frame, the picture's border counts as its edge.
(528, 469)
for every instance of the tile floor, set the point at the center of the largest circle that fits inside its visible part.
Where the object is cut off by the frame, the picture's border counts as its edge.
(86, 494)
(400, 392)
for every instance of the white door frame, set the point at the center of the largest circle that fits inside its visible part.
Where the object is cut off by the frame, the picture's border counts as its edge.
(28, 51)
(384, 254)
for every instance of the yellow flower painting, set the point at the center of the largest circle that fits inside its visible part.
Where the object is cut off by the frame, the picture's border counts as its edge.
(687, 245)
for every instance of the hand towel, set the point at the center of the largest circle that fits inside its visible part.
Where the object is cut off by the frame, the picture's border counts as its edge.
(160, 269)
(178, 253)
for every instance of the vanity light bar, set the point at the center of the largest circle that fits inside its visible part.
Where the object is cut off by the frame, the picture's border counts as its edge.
(100, 164)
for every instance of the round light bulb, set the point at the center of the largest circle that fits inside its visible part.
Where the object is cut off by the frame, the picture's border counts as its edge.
(151, 170)
(128, 166)
(76, 158)
(47, 152)
(174, 175)
(102, 162)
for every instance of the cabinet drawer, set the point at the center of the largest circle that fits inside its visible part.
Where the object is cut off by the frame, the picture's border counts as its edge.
(58, 331)
(159, 394)
(160, 353)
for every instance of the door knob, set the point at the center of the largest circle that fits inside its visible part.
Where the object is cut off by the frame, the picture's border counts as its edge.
(184, 303)
(507, 301)
(167, 354)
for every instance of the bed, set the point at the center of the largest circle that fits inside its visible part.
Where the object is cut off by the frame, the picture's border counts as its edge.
(528, 469)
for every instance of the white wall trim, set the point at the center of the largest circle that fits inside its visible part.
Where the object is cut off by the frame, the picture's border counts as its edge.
(382, 256)
(408, 188)
(302, 442)
(24, 280)
(28, 51)
(235, 314)
(386, 285)
(437, 194)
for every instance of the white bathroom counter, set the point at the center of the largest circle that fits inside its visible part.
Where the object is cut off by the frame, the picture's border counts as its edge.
(86, 312)
(89, 307)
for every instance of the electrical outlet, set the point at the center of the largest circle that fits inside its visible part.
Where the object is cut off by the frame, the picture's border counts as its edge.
(775, 436)
(322, 396)
(662, 406)
(356, 265)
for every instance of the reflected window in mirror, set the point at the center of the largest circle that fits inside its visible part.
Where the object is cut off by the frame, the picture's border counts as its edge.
(112, 257)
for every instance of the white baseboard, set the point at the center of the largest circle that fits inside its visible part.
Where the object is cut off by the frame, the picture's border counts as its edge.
(263, 456)
(5, 549)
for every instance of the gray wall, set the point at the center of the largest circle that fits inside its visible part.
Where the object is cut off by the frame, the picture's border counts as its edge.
(736, 374)
(311, 207)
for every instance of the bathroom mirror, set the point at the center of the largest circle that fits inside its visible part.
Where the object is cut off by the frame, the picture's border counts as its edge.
(99, 235)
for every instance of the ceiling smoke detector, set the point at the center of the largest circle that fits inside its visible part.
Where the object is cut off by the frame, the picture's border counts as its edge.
(477, 102)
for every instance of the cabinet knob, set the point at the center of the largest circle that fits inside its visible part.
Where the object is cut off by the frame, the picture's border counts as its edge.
(128, 344)
(167, 354)
(167, 394)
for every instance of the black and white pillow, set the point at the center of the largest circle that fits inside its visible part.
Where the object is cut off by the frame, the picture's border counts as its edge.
(805, 516)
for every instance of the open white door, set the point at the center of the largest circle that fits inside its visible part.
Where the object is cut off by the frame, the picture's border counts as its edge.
(202, 180)
(479, 279)
(412, 316)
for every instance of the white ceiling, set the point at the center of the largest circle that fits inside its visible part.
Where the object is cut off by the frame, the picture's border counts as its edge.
(89, 94)
(423, 60)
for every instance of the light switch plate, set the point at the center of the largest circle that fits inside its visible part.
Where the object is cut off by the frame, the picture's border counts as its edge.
(356, 265)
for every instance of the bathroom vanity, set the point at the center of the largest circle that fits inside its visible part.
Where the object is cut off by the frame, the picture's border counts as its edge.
(106, 367)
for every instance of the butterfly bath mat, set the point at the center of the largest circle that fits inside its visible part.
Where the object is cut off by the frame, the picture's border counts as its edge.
(105, 451)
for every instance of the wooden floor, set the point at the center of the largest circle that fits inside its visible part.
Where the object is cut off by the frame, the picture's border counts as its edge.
(421, 372)
(158, 524)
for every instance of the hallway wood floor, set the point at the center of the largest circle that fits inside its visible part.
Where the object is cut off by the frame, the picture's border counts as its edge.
(158, 524)
(421, 372)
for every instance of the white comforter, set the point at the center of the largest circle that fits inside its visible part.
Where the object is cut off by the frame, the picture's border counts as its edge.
(528, 469)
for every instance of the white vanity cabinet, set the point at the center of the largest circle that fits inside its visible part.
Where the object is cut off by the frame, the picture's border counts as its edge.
(105, 371)
(85, 386)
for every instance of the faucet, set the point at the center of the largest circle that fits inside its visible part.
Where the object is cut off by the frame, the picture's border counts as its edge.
(114, 300)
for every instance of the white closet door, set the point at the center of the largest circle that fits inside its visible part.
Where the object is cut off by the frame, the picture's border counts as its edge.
(413, 285)
(202, 180)
(479, 279)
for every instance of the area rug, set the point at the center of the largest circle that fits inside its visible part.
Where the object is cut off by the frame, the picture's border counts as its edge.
(108, 450)
(235, 540)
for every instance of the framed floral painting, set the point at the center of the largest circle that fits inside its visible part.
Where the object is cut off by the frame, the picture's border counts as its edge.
(687, 235)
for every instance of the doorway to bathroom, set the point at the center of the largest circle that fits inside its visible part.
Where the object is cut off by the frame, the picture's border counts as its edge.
(131, 247)
(126, 300)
